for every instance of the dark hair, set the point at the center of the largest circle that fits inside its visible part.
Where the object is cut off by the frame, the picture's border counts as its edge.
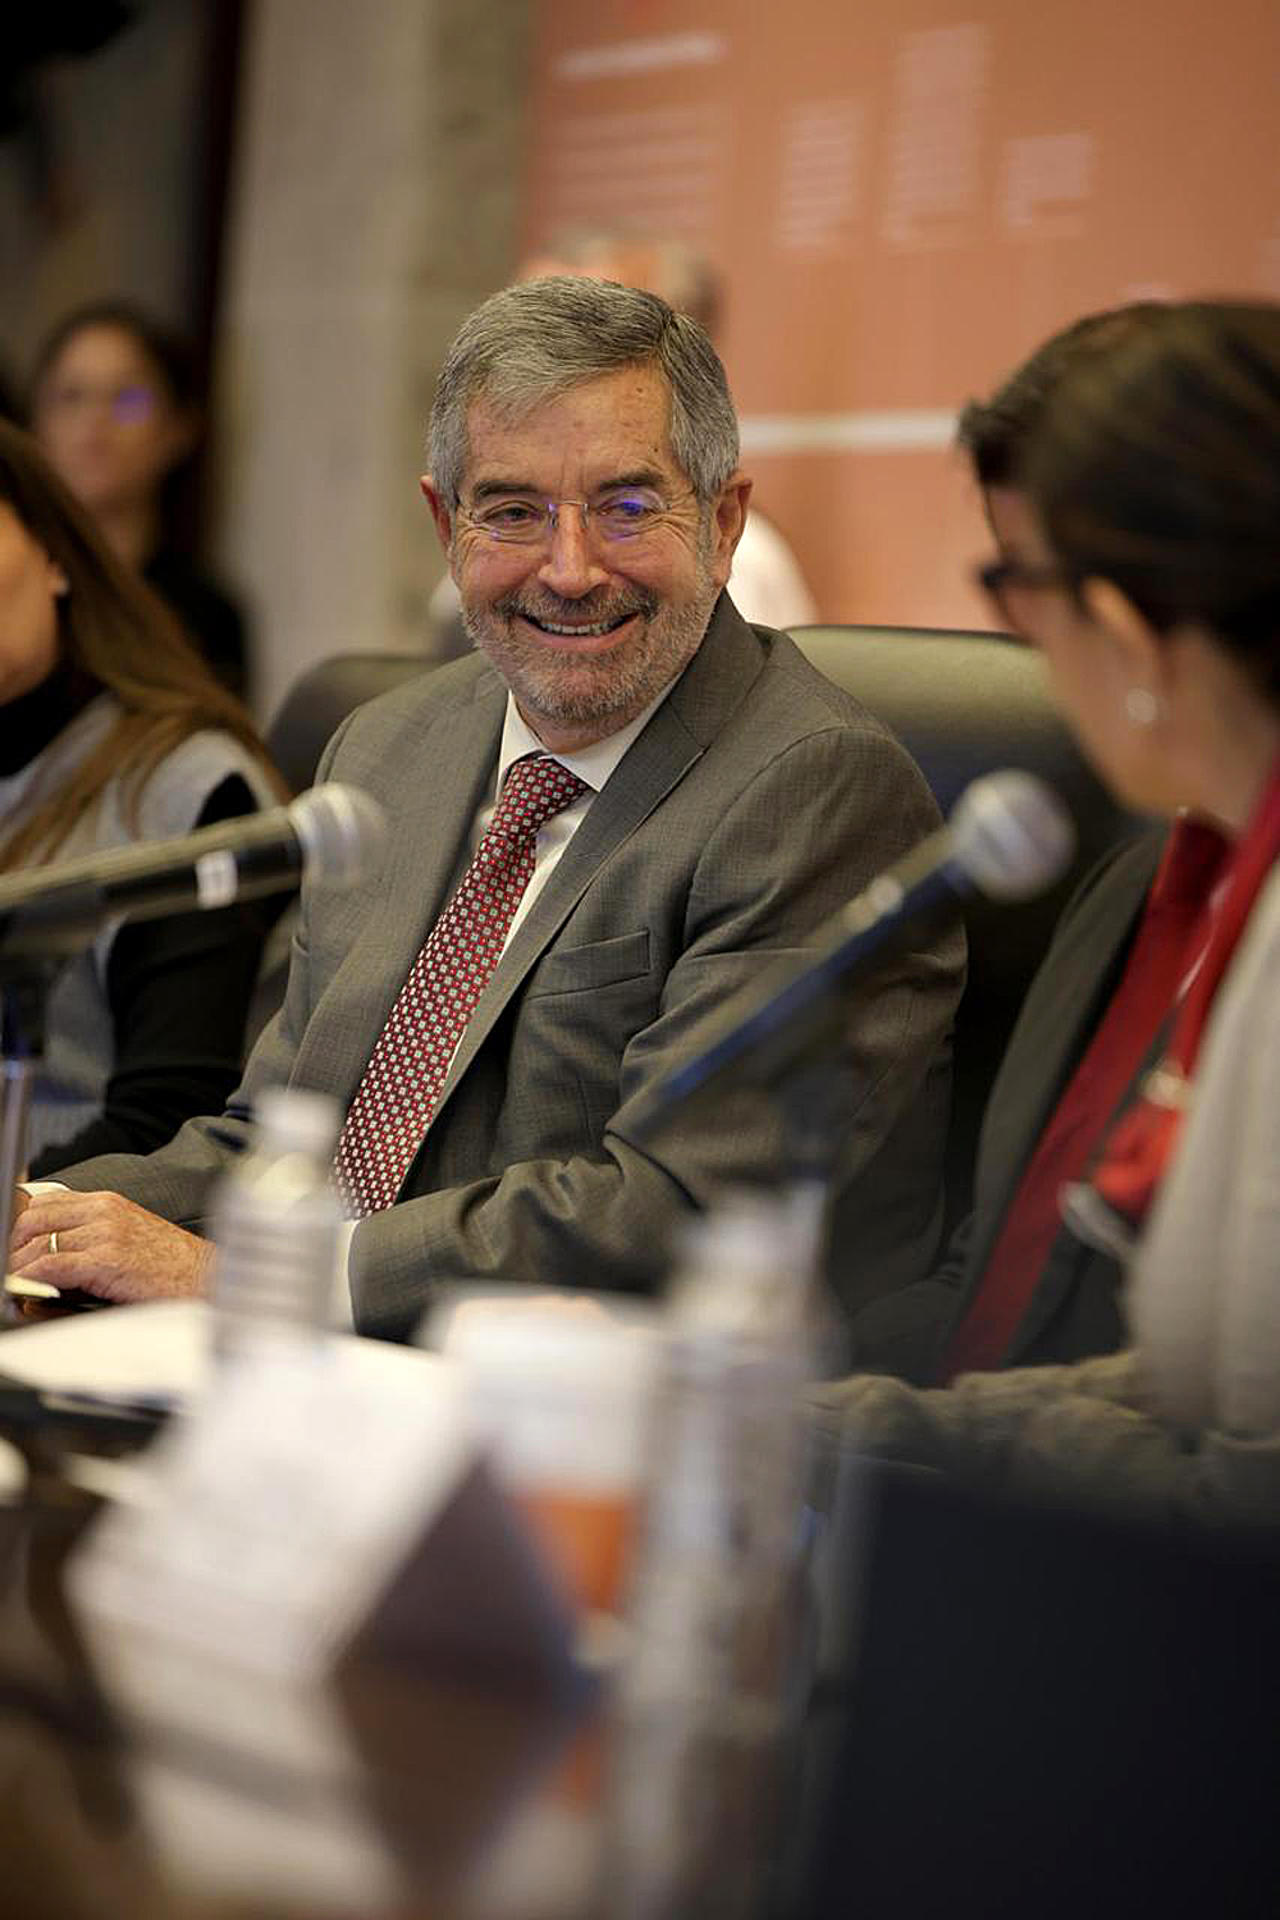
(996, 433)
(9, 406)
(170, 354)
(1148, 441)
(114, 634)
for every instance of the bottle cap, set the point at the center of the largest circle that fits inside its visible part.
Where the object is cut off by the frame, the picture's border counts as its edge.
(560, 1382)
(296, 1120)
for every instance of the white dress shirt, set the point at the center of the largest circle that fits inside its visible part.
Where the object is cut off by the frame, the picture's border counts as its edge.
(593, 765)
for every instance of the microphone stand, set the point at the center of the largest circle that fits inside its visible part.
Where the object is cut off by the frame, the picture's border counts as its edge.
(24, 994)
(27, 973)
(793, 1020)
(812, 1094)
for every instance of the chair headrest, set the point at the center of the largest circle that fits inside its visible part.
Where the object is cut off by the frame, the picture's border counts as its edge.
(317, 704)
(963, 704)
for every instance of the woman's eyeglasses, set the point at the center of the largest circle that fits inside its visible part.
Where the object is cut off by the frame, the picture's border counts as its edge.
(997, 577)
(126, 404)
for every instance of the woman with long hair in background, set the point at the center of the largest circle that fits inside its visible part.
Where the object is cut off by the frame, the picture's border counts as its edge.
(112, 730)
(115, 405)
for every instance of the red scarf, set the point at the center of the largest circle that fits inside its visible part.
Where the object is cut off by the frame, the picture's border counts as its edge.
(1143, 1141)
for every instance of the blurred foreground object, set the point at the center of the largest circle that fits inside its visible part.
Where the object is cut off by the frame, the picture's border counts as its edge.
(706, 1697)
(277, 1226)
(1046, 1714)
(561, 1387)
(316, 1563)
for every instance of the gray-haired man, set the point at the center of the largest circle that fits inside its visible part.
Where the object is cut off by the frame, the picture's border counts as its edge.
(490, 1008)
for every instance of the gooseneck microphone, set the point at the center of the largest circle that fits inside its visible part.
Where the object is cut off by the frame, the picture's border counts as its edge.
(1009, 837)
(329, 834)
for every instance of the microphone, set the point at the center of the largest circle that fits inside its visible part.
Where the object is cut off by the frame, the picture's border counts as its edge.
(1009, 837)
(329, 834)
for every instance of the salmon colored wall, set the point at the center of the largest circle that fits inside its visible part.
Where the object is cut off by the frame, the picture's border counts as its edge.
(904, 197)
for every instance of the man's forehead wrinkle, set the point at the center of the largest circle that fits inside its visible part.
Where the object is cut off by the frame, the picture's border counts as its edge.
(509, 402)
(492, 485)
(506, 385)
(513, 450)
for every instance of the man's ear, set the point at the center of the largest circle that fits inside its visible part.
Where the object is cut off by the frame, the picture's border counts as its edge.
(439, 511)
(730, 518)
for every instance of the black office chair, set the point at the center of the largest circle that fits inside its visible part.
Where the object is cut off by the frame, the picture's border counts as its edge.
(965, 704)
(1049, 1714)
(321, 699)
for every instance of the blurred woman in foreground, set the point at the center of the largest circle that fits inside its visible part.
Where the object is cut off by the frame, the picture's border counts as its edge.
(1139, 538)
(111, 731)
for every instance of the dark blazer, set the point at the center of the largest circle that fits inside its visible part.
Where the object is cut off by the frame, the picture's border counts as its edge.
(755, 802)
(1074, 1310)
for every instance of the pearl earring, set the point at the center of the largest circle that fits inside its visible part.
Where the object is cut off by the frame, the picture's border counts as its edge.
(1142, 707)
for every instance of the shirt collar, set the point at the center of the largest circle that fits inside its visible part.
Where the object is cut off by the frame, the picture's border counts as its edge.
(593, 764)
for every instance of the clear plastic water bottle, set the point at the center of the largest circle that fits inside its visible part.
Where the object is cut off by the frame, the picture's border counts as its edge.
(705, 1693)
(276, 1226)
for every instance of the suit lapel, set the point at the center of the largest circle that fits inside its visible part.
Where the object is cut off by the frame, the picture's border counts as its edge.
(1056, 1039)
(451, 768)
(1067, 1007)
(1070, 1257)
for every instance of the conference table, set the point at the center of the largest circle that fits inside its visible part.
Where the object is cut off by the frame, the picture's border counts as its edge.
(1013, 1711)
(402, 1780)
(415, 1782)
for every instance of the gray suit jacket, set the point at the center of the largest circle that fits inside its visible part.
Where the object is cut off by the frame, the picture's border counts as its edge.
(757, 800)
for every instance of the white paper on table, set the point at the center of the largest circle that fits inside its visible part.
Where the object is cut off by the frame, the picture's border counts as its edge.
(275, 1512)
(278, 1508)
(157, 1351)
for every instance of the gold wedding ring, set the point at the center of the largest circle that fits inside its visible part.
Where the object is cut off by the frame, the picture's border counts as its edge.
(53, 1241)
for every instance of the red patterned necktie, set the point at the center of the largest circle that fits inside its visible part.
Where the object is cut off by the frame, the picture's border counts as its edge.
(396, 1099)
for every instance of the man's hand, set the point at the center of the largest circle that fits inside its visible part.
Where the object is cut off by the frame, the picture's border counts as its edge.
(107, 1246)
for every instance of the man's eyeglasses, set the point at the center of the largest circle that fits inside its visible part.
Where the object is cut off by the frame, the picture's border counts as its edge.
(623, 513)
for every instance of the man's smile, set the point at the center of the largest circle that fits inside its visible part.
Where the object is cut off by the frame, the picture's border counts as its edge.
(587, 636)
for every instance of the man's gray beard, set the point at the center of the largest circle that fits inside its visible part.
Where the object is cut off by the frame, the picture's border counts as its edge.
(578, 692)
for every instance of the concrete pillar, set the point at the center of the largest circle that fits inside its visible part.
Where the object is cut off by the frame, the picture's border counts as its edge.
(373, 202)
